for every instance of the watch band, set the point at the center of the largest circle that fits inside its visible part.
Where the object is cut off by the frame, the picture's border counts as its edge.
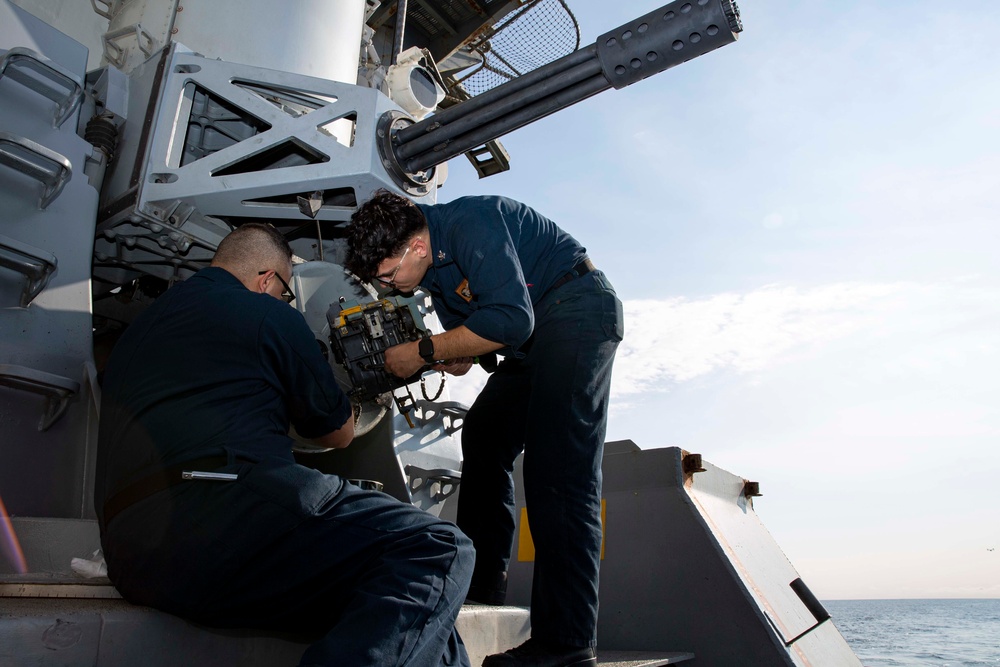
(426, 349)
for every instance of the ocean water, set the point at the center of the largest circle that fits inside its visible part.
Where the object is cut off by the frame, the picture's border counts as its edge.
(912, 633)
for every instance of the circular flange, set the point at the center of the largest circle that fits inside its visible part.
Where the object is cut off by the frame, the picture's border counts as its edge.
(418, 184)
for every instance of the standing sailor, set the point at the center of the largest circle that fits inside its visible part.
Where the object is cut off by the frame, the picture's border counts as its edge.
(504, 278)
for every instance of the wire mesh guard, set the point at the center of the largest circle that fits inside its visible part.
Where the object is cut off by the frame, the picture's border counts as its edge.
(536, 34)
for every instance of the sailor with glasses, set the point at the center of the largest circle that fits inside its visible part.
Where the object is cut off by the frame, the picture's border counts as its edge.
(203, 510)
(504, 278)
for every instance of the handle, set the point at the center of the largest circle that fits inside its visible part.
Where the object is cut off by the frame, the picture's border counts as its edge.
(56, 389)
(116, 54)
(45, 77)
(811, 603)
(40, 163)
(104, 8)
(37, 265)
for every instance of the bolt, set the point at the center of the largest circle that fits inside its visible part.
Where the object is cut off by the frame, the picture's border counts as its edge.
(692, 463)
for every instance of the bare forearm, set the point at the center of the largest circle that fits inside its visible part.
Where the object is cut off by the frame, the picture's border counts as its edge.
(340, 438)
(459, 343)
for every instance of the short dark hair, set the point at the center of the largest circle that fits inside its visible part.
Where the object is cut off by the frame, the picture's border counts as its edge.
(250, 242)
(379, 229)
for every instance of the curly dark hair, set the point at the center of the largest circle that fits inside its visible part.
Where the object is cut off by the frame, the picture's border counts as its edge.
(379, 229)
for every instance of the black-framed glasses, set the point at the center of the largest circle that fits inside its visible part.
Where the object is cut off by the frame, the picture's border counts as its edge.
(287, 295)
(390, 282)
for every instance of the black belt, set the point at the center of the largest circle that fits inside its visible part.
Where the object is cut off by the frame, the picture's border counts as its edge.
(158, 481)
(581, 269)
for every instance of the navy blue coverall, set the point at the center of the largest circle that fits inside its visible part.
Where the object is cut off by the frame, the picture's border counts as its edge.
(496, 262)
(213, 369)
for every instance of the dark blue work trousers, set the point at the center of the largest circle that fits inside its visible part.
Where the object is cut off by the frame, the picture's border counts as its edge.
(553, 406)
(288, 548)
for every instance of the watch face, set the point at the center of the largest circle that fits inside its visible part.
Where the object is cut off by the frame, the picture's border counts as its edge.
(426, 349)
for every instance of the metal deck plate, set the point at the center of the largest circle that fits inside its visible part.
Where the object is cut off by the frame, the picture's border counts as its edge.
(640, 658)
(81, 590)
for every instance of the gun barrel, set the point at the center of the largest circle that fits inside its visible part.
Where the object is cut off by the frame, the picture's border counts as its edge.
(494, 95)
(507, 104)
(648, 45)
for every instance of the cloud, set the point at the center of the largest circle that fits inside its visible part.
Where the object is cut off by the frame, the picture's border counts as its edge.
(676, 340)
(927, 326)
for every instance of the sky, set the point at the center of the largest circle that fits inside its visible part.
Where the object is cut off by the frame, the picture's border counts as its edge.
(802, 229)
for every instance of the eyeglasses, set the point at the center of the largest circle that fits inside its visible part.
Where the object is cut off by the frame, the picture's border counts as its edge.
(287, 295)
(391, 281)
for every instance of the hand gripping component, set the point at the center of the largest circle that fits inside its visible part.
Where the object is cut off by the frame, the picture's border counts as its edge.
(361, 333)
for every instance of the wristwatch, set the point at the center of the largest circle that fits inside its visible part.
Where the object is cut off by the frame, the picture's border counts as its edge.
(426, 349)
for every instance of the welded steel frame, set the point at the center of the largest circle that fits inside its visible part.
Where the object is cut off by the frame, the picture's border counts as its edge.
(165, 218)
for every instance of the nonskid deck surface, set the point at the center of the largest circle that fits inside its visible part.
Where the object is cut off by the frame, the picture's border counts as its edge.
(42, 618)
(640, 658)
(56, 614)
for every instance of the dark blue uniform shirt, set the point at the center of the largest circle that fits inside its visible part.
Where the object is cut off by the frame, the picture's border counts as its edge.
(494, 258)
(211, 368)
